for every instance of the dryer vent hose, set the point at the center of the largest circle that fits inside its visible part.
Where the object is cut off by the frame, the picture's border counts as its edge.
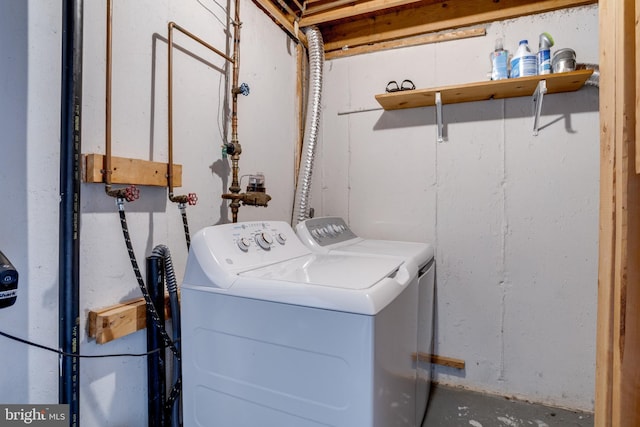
(594, 79)
(302, 206)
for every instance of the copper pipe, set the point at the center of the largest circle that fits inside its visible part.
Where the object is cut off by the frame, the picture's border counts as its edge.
(199, 40)
(106, 172)
(236, 72)
(171, 26)
(237, 149)
(130, 193)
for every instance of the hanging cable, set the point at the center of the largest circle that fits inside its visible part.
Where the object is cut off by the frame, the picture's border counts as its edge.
(84, 356)
(134, 263)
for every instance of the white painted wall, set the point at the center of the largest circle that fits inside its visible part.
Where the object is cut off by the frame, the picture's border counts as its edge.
(113, 391)
(514, 217)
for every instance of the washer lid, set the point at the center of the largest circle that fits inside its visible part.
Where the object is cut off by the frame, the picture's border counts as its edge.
(353, 272)
(354, 284)
(420, 253)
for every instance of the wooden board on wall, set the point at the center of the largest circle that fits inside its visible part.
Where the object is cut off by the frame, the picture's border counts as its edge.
(618, 341)
(626, 322)
(637, 56)
(130, 171)
(606, 274)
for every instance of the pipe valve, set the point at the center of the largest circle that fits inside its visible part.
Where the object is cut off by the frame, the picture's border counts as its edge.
(191, 199)
(242, 89)
(255, 198)
(129, 193)
(231, 148)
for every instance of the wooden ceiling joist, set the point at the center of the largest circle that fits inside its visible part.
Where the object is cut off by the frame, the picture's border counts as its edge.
(423, 18)
(406, 42)
(284, 21)
(348, 9)
(349, 24)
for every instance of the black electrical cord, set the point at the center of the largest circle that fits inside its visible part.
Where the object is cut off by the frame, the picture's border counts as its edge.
(85, 356)
(145, 293)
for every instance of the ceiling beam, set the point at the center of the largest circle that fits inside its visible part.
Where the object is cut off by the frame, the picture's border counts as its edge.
(282, 20)
(411, 41)
(427, 17)
(343, 9)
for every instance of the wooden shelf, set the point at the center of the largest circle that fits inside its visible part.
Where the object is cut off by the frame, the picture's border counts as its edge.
(482, 91)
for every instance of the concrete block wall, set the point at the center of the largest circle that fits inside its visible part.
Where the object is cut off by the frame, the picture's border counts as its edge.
(113, 390)
(514, 217)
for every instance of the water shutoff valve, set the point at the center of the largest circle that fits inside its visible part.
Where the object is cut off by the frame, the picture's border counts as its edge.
(243, 89)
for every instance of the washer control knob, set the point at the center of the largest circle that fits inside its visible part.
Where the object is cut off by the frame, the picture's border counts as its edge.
(244, 243)
(281, 238)
(264, 240)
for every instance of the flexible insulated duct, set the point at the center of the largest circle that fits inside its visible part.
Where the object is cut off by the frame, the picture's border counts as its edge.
(594, 79)
(301, 206)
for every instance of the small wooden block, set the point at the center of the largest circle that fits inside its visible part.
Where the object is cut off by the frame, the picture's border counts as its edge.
(439, 360)
(110, 323)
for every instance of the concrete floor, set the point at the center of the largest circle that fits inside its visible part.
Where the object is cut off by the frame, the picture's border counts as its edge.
(453, 407)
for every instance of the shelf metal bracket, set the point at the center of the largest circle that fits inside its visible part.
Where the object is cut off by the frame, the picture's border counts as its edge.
(440, 138)
(538, 95)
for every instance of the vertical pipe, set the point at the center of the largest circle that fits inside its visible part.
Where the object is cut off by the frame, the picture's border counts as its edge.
(156, 368)
(69, 234)
(236, 72)
(107, 117)
(170, 106)
(235, 157)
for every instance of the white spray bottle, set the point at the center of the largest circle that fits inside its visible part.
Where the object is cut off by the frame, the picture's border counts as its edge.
(544, 53)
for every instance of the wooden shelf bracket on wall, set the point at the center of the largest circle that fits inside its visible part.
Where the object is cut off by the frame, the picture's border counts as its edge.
(537, 104)
(440, 126)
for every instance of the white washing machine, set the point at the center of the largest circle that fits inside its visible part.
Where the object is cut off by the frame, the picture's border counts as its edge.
(275, 335)
(331, 235)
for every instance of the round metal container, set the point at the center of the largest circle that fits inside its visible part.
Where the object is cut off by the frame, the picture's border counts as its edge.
(564, 60)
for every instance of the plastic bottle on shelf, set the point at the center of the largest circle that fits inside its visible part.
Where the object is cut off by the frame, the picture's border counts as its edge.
(499, 61)
(524, 62)
(544, 53)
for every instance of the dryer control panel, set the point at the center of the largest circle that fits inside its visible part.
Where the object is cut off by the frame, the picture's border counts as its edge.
(325, 231)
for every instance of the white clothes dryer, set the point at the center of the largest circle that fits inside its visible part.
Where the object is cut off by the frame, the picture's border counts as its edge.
(331, 235)
(276, 335)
